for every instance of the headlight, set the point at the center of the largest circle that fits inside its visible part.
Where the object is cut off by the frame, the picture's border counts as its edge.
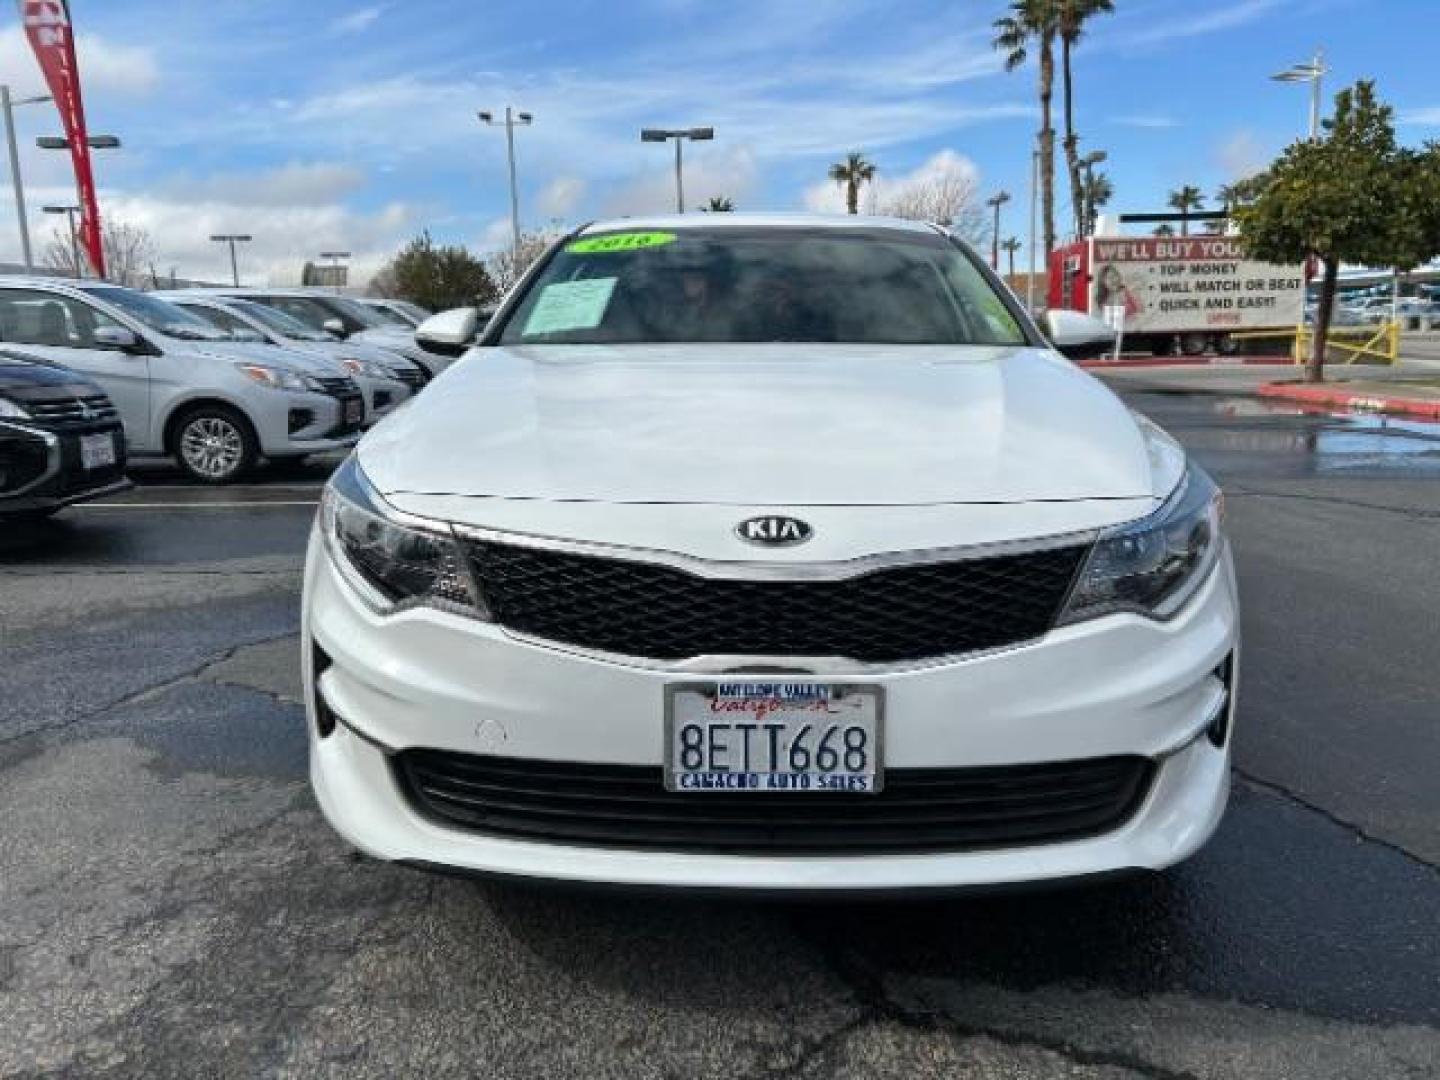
(368, 368)
(13, 409)
(1152, 566)
(393, 566)
(276, 378)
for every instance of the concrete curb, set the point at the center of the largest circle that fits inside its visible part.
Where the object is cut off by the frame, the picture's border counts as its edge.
(1336, 397)
(1103, 363)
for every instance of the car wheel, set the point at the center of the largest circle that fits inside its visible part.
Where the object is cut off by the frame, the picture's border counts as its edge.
(215, 445)
(1193, 344)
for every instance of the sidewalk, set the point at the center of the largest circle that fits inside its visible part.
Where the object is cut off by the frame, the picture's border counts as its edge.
(1418, 397)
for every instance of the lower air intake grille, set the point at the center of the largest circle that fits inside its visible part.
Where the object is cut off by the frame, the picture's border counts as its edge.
(641, 609)
(919, 810)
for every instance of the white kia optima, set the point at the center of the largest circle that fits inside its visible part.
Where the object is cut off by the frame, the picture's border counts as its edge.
(774, 553)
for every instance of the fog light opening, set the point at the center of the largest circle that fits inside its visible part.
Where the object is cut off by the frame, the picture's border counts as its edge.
(1218, 730)
(325, 718)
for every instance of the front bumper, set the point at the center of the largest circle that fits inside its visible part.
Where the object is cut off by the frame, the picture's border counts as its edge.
(1122, 685)
(292, 423)
(53, 474)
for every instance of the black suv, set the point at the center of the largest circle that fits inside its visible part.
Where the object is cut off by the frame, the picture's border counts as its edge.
(60, 438)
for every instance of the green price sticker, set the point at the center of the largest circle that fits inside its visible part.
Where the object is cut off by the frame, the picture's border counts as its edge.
(627, 241)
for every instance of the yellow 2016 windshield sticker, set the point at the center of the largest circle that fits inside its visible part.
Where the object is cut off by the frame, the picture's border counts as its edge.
(613, 242)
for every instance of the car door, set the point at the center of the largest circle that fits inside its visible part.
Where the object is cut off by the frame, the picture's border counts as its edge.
(61, 329)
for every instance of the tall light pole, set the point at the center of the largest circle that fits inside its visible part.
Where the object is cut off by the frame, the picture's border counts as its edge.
(70, 212)
(232, 239)
(8, 104)
(1312, 72)
(511, 121)
(695, 134)
(95, 142)
(1088, 163)
(996, 201)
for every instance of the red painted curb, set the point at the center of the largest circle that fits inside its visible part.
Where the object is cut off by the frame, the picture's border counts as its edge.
(1186, 361)
(1337, 398)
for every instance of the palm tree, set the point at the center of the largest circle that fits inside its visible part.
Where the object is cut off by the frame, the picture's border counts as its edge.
(719, 204)
(1186, 199)
(1073, 16)
(1096, 190)
(1036, 22)
(851, 173)
(1164, 229)
(1228, 196)
(1011, 248)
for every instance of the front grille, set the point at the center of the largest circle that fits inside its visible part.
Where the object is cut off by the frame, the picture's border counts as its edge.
(338, 387)
(899, 613)
(919, 810)
(412, 377)
(83, 409)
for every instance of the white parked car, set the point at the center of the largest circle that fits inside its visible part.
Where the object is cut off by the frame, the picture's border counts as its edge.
(348, 320)
(771, 553)
(399, 313)
(183, 388)
(385, 379)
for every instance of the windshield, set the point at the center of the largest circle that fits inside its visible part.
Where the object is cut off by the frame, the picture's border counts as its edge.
(159, 315)
(284, 325)
(389, 317)
(367, 316)
(222, 320)
(831, 285)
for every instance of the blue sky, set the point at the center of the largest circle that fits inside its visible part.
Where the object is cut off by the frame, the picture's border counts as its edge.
(337, 123)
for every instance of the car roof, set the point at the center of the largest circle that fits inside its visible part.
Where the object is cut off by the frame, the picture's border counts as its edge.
(733, 220)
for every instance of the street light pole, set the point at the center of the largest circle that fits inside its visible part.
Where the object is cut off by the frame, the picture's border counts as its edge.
(232, 239)
(697, 134)
(9, 104)
(996, 201)
(70, 212)
(1314, 73)
(512, 119)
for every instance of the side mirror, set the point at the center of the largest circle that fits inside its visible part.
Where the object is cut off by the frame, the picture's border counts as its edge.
(1077, 336)
(334, 326)
(116, 337)
(451, 332)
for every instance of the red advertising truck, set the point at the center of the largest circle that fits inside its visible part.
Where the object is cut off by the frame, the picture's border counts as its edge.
(1176, 294)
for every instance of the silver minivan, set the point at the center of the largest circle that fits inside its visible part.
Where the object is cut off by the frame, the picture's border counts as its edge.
(182, 387)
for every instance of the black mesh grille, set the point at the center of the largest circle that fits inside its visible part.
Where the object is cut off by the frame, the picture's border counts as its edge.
(412, 377)
(920, 810)
(901, 613)
(83, 409)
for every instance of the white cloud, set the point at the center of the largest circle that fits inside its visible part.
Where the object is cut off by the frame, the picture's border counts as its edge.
(106, 66)
(828, 197)
(1191, 24)
(358, 20)
(560, 197)
(1147, 121)
(1242, 154)
(729, 172)
(496, 235)
(1428, 117)
(295, 184)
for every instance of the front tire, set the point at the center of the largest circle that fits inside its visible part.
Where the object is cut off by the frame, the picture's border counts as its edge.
(215, 445)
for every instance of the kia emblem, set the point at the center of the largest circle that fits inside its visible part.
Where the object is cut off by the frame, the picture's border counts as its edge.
(774, 530)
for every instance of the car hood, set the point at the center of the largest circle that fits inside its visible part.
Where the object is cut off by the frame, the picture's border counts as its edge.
(17, 374)
(764, 425)
(279, 356)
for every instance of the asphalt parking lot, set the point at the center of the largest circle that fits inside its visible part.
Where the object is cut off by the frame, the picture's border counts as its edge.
(174, 905)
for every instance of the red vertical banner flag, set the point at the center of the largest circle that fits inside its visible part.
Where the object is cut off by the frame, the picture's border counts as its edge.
(47, 25)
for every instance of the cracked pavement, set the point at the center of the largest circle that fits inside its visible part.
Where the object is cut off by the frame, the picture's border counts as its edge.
(175, 906)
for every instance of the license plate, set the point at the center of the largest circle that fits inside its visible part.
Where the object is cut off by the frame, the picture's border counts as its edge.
(354, 411)
(97, 451)
(765, 736)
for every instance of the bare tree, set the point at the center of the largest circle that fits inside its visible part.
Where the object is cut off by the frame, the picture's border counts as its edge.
(129, 252)
(508, 266)
(947, 197)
